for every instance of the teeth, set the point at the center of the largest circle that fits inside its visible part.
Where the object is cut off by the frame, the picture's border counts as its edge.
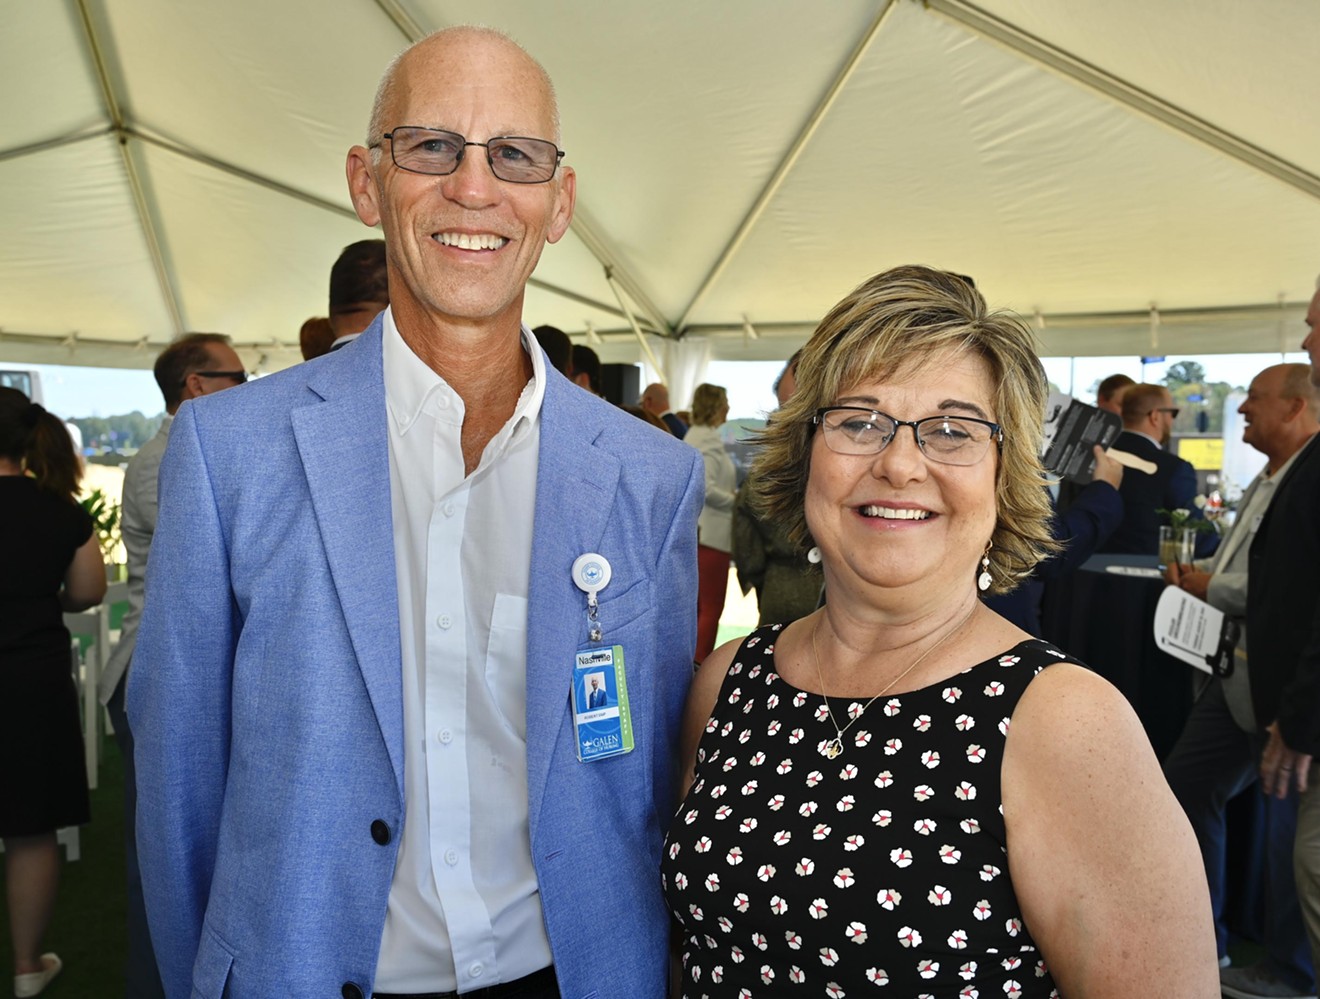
(889, 513)
(466, 241)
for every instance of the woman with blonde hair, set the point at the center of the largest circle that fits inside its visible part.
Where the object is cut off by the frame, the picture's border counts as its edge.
(710, 408)
(54, 565)
(903, 789)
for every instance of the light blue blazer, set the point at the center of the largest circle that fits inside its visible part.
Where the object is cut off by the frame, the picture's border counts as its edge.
(265, 695)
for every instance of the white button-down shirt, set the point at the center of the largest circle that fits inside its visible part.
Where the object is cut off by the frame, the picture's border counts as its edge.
(464, 909)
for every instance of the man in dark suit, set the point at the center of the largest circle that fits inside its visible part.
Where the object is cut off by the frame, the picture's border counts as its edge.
(597, 697)
(655, 400)
(1148, 414)
(1283, 617)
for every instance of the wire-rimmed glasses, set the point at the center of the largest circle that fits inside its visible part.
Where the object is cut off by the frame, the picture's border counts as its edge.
(514, 158)
(950, 440)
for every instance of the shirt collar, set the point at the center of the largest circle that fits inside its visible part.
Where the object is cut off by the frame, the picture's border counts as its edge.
(1148, 437)
(410, 384)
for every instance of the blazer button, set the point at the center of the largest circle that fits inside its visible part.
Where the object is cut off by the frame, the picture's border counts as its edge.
(350, 991)
(380, 832)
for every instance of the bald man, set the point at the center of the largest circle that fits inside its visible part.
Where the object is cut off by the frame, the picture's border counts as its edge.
(359, 765)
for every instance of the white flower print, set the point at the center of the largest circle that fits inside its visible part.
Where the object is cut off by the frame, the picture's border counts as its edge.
(778, 905)
(776, 802)
(970, 826)
(750, 787)
(724, 924)
(993, 689)
(805, 866)
(783, 837)
(892, 707)
(1012, 989)
(785, 765)
(1009, 660)
(821, 713)
(921, 723)
(848, 772)
(690, 817)
(883, 817)
(807, 809)
(712, 882)
(673, 850)
(924, 826)
(747, 824)
(909, 937)
(832, 991)
(695, 911)
(759, 941)
(884, 779)
(725, 729)
(965, 791)
(680, 881)
(930, 759)
(820, 832)
(964, 722)
(736, 696)
(981, 910)
(765, 872)
(740, 902)
(856, 932)
(845, 804)
(773, 728)
(989, 872)
(843, 877)
(767, 974)
(718, 790)
(723, 812)
(950, 854)
(799, 699)
(901, 857)
(892, 746)
(793, 940)
(814, 778)
(923, 792)
(734, 856)
(736, 953)
(928, 968)
(939, 895)
(1013, 927)
(829, 957)
(951, 694)
(796, 975)
(975, 754)
(1003, 727)
(862, 738)
(888, 898)
(855, 710)
(877, 976)
(967, 971)
(818, 909)
(1011, 963)
(854, 842)
(795, 736)
(958, 940)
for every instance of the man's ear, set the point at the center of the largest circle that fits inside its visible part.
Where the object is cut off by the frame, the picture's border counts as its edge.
(565, 200)
(361, 175)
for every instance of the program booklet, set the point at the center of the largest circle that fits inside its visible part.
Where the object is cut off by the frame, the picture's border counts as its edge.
(1072, 429)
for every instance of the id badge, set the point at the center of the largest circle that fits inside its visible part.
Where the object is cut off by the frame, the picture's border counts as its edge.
(601, 719)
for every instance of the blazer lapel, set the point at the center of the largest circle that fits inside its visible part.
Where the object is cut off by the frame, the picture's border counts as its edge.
(345, 453)
(575, 489)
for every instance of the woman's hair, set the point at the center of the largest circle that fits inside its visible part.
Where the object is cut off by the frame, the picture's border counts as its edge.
(707, 401)
(900, 321)
(38, 441)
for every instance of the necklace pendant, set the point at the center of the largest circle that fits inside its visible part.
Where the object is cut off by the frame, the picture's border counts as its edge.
(834, 748)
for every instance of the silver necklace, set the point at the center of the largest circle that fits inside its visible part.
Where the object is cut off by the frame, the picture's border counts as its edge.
(835, 746)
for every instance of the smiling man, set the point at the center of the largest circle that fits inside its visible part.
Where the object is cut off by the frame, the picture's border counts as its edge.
(359, 764)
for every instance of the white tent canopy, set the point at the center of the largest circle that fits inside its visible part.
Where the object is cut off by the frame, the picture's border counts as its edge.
(1137, 177)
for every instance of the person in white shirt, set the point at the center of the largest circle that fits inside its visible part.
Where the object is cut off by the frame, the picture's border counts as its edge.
(359, 761)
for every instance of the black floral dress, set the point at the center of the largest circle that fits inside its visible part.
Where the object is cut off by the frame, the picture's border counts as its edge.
(882, 871)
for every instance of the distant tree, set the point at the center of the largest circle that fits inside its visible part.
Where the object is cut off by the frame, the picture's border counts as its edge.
(126, 432)
(1184, 373)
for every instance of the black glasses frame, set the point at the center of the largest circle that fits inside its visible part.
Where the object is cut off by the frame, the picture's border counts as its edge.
(238, 376)
(464, 143)
(996, 431)
(1171, 410)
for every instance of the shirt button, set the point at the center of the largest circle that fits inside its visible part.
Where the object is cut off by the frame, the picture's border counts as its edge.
(446, 736)
(476, 970)
(451, 858)
(447, 509)
(380, 832)
(444, 620)
(441, 402)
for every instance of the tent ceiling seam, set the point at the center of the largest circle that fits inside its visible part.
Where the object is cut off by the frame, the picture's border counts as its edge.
(786, 164)
(45, 145)
(1120, 91)
(147, 221)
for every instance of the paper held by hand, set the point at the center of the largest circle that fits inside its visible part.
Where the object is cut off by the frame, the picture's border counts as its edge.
(1187, 628)
(1129, 460)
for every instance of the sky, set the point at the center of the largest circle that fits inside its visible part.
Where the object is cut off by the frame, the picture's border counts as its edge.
(77, 392)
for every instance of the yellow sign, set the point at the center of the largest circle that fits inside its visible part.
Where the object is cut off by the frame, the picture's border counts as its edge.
(1205, 453)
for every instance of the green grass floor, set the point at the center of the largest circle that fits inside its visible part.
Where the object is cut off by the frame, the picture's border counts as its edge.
(87, 930)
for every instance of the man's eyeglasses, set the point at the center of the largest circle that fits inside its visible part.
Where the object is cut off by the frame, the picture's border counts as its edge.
(238, 377)
(514, 158)
(950, 440)
(1171, 410)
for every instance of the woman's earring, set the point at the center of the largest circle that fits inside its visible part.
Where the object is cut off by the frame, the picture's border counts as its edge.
(983, 581)
(813, 555)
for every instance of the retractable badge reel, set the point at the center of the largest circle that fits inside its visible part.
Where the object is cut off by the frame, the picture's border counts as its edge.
(591, 573)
